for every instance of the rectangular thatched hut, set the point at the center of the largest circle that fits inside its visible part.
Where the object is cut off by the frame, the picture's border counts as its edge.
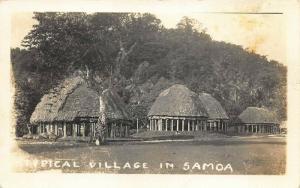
(217, 117)
(256, 120)
(71, 110)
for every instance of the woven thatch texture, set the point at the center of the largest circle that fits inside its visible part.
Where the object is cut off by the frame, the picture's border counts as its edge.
(114, 106)
(255, 115)
(83, 102)
(177, 100)
(73, 99)
(47, 109)
(213, 108)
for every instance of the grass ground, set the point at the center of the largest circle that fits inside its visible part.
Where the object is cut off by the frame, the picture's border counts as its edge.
(246, 155)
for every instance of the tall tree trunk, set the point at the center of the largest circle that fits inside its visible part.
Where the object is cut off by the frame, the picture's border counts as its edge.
(101, 126)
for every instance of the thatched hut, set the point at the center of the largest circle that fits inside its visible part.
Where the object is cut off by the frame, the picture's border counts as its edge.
(72, 110)
(118, 119)
(217, 117)
(256, 120)
(177, 109)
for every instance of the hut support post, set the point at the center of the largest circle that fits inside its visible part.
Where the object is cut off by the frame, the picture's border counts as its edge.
(189, 122)
(172, 124)
(177, 125)
(74, 130)
(126, 131)
(56, 129)
(182, 125)
(166, 124)
(65, 129)
(137, 125)
(160, 124)
(83, 132)
(121, 130)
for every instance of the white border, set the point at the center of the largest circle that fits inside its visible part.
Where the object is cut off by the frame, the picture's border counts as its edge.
(9, 179)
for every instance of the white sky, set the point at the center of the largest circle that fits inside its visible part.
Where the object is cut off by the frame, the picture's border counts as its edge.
(264, 34)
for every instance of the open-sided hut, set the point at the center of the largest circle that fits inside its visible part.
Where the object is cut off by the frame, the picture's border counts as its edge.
(118, 119)
(177, 109)
(72, 110)
(217, 117)
(257, 120)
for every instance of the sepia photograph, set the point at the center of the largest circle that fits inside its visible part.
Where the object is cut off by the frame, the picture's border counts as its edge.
(150, 92)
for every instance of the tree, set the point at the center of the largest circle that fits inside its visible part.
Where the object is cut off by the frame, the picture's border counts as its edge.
(95, 44)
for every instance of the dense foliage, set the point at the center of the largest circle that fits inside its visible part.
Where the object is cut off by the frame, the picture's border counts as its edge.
(145, 58)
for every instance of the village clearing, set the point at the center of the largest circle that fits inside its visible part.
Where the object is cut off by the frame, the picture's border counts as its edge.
(246, 155)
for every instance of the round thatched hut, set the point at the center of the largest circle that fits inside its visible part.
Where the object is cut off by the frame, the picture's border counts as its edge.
(72, 110)
(217, 117)
(257, 120)
(177, 109)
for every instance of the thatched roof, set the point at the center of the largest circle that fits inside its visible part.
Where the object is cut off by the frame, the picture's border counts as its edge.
(115, 107)
(213, 108)
(257, 115)
(73, 99)
(47, 109)
(82, 102)
(177, 100)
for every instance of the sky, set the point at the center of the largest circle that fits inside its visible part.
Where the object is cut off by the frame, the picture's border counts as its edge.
(264, 34)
